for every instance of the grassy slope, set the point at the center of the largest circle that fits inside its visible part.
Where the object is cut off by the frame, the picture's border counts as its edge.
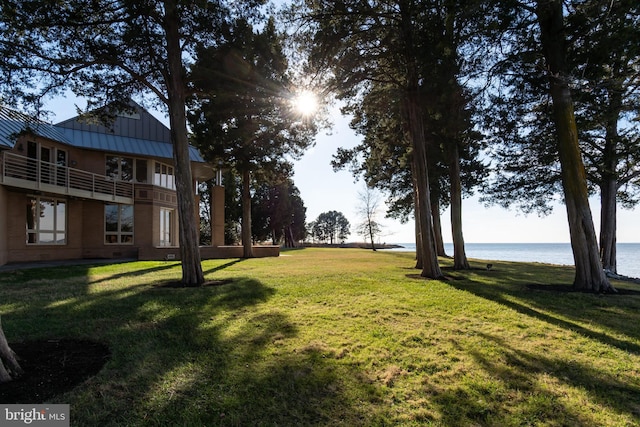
(337, 337)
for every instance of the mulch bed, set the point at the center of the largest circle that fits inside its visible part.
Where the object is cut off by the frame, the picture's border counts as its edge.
(52, 367)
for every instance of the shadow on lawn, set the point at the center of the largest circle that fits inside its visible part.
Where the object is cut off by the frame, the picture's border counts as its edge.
(612, 320)
(568, 310)
(536, 381)
(224, 266)
(194, 356)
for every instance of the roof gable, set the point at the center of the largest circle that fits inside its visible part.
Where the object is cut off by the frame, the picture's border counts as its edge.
(136, 133)
(140, 125)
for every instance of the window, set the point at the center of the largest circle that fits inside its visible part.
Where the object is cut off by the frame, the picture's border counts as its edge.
(46, 164)
(166, 222)
(118, 224)
(61, 163)
(46, 221)
(119, 168)
(163, 176)
(141, 171)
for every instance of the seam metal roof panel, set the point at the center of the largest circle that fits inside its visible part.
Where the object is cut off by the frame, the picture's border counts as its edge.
(12, 123)
(123, 144)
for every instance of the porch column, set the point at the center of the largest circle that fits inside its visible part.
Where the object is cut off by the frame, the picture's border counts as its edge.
(217, 215)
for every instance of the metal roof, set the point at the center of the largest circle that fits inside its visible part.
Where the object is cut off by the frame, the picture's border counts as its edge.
(136, 132)
(142, 136)
(137, 123)
(122, 144)
(13, 123)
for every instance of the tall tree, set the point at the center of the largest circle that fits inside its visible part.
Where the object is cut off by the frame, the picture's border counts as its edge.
(605, 54)
(603, 63)
(448, 104)
(377, 42)
(243, 116)
(107, 51)
(589, 273)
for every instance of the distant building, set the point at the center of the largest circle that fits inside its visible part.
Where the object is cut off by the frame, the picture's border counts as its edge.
(76, 190)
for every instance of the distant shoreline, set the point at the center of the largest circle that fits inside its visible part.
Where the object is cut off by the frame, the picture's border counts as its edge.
(356, 245)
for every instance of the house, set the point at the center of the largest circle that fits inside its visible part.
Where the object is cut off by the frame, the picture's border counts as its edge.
(76, 190)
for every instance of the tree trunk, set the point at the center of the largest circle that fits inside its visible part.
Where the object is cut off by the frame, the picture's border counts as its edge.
(608, 220)
(291, 243)
(460, 261)
(419, 256)
(247, 242)
(609, 184)
(437, 225)
(455, 104)
(589, 275)
(430, 266)
(371, 236)
(416, 218)
(9, 367)
(415, 128)
(192, 274)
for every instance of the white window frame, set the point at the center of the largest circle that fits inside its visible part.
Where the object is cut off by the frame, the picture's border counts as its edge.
(59, 225)
(166, 226)
(166, 177)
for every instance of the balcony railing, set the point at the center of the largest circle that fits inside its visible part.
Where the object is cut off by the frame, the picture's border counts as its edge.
(24, 172)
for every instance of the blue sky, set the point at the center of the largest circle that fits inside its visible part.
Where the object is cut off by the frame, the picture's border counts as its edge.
(323, 190)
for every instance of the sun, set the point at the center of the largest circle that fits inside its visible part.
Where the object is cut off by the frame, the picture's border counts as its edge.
(305, 103)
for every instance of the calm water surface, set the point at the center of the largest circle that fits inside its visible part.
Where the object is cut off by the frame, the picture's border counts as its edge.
(548, 253)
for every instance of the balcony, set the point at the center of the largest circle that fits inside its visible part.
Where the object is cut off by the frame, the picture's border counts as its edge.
(31, 174)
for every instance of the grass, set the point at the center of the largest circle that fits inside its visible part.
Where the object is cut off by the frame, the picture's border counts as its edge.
(337, 337)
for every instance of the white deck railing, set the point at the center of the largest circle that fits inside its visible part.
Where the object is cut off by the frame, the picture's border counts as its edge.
(24, 172)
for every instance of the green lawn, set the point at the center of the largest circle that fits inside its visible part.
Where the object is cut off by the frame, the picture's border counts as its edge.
(337, 337)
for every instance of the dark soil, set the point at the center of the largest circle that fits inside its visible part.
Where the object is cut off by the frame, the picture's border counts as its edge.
(52, 367)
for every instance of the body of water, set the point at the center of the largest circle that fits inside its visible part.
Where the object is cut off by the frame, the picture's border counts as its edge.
(628, 254)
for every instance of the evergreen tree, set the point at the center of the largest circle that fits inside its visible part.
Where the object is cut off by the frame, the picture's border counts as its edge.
(377, 42)
(243, 115)
(603, 61)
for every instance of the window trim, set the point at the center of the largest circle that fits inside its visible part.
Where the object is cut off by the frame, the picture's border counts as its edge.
(119, 233)
(134, 168)
(161, 179)
(166, 226)
(56, 231)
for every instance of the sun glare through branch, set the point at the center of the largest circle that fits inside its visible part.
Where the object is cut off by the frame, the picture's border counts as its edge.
(305, 103)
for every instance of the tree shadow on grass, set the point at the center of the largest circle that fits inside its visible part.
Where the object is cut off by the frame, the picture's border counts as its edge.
(224, 266)
(65, 272)
(197, 356)
(537, 384)
(518, 288)
(527, 389)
